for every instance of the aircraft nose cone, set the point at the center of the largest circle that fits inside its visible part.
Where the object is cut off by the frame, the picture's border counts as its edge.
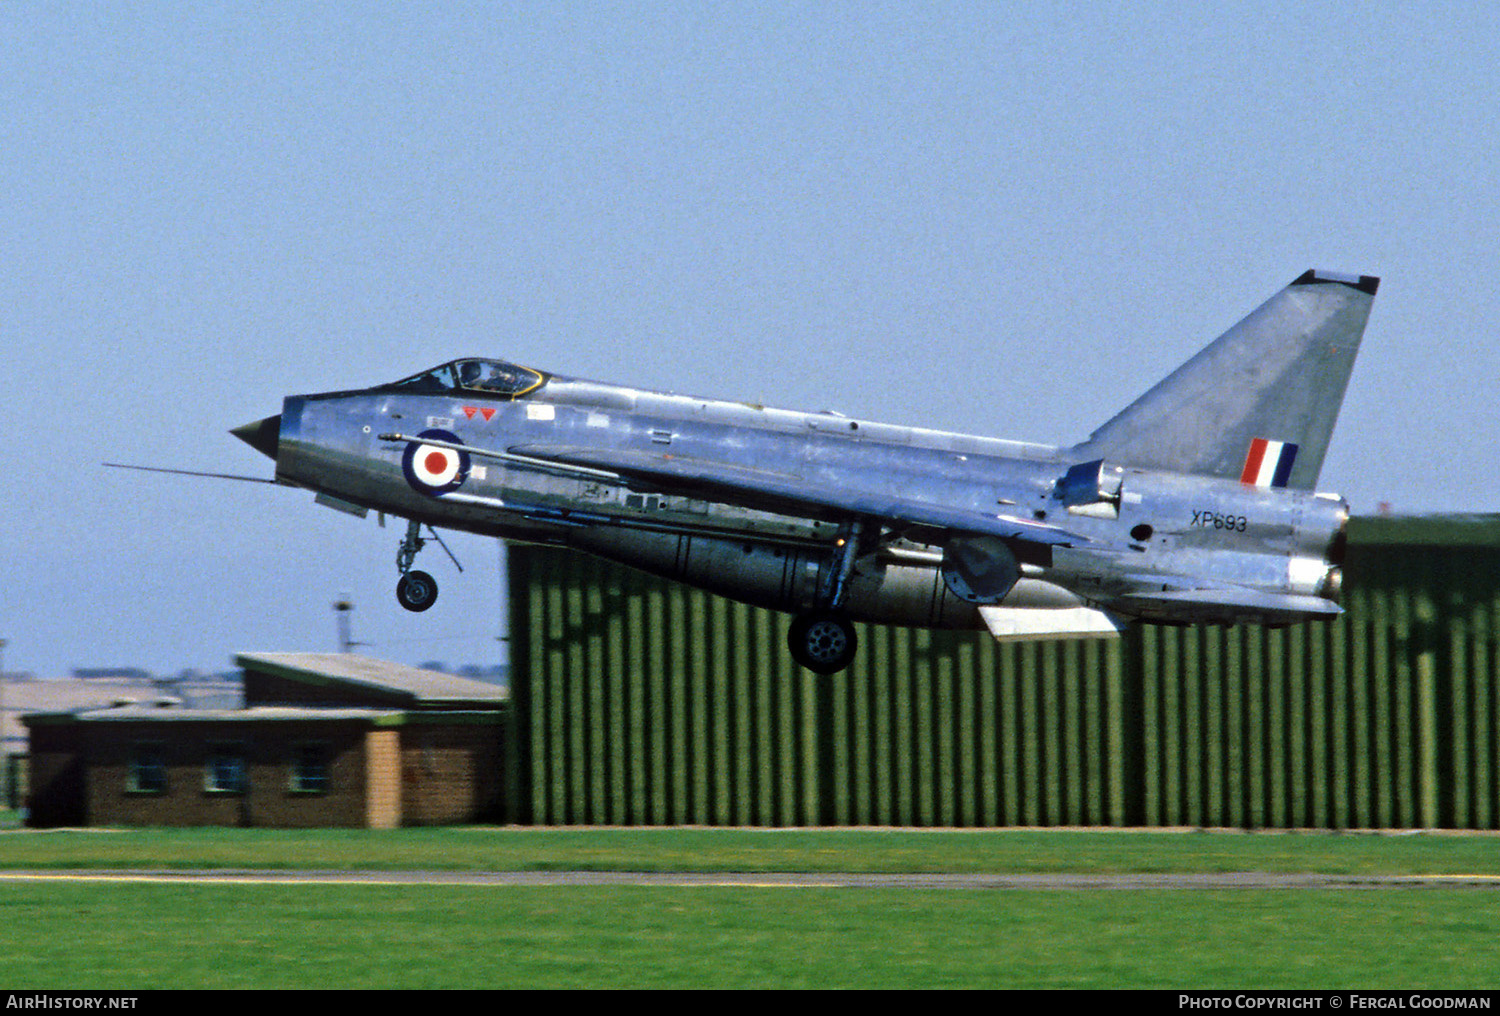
(262, 435)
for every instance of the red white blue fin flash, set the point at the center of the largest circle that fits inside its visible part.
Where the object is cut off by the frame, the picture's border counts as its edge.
(1269, 463)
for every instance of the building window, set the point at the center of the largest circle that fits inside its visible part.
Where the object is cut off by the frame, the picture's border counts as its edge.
(224, 771)
(148, 769)
(310, 768)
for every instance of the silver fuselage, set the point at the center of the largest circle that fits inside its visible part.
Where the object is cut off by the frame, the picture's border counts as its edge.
(1272, 551)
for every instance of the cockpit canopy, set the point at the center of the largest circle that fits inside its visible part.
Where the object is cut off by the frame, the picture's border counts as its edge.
(492, 377)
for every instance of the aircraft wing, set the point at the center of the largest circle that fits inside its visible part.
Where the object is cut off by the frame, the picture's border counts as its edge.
(1214, 603)
(788, 493)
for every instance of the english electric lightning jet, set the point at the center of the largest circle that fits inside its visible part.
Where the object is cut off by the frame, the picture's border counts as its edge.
(1195, 504)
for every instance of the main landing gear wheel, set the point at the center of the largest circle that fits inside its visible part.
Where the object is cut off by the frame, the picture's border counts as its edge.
(823, 643)
(416, 590)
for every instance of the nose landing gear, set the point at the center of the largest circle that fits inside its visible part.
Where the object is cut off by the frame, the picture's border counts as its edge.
(416, 590)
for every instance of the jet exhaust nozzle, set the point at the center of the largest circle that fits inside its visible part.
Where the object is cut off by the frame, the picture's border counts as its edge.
(1333, 585)
(262, 435)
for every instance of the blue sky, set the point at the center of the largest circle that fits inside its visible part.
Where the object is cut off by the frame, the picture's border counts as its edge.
(1001, 219)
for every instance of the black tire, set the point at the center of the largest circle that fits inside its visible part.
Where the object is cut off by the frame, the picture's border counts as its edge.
(416, 591)
(823, 643)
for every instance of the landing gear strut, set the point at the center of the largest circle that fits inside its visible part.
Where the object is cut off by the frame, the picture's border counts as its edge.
(417, 590)
(823, 640)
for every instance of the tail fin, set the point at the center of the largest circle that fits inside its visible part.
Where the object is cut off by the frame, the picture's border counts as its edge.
(1259, 402)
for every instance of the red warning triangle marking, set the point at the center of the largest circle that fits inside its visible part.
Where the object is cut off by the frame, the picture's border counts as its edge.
(469, 411)
(487, 413)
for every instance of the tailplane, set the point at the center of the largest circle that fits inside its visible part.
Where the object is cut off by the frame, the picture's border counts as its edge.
(1258, 404)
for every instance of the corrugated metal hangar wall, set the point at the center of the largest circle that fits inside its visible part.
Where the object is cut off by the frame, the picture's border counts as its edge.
(643, 702)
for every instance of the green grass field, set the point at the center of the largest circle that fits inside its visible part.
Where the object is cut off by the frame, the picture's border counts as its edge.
(135, 936)
(144, 936)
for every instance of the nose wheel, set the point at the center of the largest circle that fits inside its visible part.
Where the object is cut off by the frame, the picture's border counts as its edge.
(416, 590)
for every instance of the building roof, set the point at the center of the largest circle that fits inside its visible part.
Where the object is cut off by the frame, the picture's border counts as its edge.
(259, 714)
(424, 687)
(68, 694)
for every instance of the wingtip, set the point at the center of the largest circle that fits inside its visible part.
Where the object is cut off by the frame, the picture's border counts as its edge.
(1313, 276)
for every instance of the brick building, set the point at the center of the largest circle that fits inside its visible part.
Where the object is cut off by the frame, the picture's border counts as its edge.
(323, 740)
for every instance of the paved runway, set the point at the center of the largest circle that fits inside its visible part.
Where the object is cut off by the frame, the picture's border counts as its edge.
(769, 880)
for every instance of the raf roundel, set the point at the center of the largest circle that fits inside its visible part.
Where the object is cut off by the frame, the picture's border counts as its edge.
(432, 469)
